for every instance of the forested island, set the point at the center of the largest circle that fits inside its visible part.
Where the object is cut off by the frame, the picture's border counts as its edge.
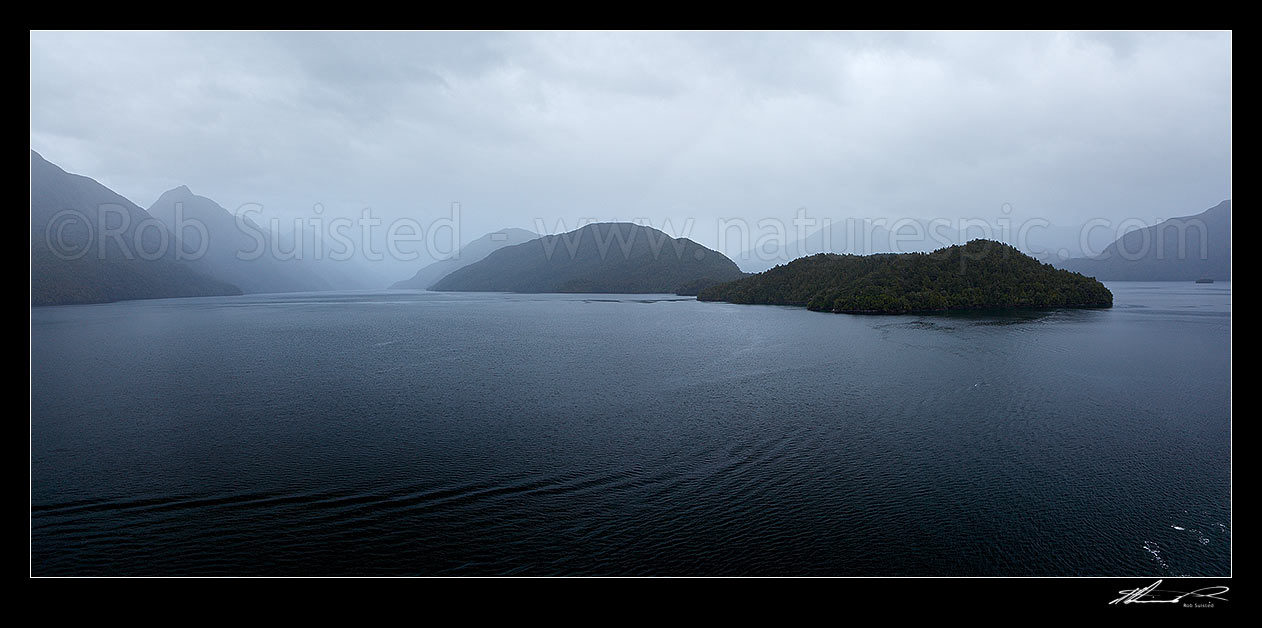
(982, 274)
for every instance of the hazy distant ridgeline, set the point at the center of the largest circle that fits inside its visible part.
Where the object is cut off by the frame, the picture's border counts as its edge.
(1062, 245)
(602, 258)
(859, 236)
(84, 267)
(227, 241)
(1178, 249)
(852, 236)
(91, 245)
(468, 254)
(982, 274)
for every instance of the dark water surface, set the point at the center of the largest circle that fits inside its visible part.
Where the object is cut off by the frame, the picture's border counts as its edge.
(449, 434)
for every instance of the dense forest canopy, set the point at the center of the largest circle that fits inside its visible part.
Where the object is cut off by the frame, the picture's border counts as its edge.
(981, 274)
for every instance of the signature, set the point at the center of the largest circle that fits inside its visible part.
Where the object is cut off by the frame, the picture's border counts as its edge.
(1152, 595)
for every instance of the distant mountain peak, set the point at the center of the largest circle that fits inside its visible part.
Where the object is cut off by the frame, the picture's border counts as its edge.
(610, 257)
(116, 271)
(177, 193)
(504, 235)
(472, 252)
(1185, 248)
(228, 234)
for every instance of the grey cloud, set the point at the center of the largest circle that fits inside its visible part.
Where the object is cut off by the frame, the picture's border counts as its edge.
(541, 125)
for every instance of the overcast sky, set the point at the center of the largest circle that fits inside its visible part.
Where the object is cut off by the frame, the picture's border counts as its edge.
(534, 128)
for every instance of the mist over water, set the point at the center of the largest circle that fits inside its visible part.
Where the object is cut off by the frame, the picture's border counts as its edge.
(396, 433)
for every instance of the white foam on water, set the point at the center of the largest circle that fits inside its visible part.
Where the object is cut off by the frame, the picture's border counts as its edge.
(1153, 549)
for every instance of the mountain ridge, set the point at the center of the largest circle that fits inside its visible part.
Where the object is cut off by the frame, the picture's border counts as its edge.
(79, 254)
(226, 238)
(1184, 248)
(610, 257)
(474, 251)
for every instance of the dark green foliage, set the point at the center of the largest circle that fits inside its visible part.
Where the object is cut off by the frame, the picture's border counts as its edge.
(982, 274)
(693, 288)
